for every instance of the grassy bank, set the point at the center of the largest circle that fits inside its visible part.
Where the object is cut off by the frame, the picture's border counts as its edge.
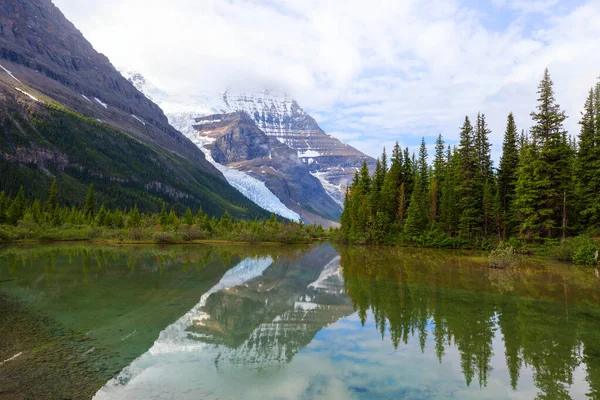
(183, 234)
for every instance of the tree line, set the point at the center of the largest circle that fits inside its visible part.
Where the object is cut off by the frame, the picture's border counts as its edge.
(545, 188)
(24, 218)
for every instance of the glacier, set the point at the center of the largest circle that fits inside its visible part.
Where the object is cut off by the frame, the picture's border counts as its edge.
(247, 185)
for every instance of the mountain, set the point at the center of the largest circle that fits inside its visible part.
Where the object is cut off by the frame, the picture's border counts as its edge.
(330, 160)
(235, 141)
(67, 113)
(280, 117)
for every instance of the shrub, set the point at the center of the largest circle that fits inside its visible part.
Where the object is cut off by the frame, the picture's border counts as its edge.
(7, 233)
(192, 233)
(135, 234)
(504, 256)
(584, 251)
(579, 250)
(164, 237)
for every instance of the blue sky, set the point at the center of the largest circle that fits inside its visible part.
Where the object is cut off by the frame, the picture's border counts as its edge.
(371, 73)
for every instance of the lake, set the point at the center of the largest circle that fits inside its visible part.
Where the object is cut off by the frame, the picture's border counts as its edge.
(292, 322)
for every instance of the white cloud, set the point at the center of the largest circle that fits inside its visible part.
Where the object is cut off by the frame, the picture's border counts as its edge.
(384, 70)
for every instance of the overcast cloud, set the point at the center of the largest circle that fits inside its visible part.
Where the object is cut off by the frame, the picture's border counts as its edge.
(370, 72)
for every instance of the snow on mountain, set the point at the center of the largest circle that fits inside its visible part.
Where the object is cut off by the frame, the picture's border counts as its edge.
(278, 115)
(249, 186)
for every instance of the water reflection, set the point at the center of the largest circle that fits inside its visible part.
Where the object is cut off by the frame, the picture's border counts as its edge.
(347, 323)
(545, 327)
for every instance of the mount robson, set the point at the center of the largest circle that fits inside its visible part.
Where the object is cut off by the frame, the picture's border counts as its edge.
(67, 114)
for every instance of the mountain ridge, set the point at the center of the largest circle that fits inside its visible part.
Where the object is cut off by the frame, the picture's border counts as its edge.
(53, 86)
(279, 116)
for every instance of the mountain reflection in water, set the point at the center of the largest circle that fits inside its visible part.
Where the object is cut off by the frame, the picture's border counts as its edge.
(397, 323)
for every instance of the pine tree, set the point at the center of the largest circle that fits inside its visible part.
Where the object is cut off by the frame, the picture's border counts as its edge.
(163, 214)
(226, 223)
(448, 205)
(507, 177)
(466, 179)
(527, 195)
(135, 219)
(90, 202)
(52, 204)
(3, 207)
(552, 169)
(391, 185)
(16, 211)
(587, 168)
(416, 220)
(437, 177)
(188, 219)
(376, 187)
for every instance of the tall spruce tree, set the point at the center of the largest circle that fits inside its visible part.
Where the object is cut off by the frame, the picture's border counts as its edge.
(448, 205)
(587, 168)
(416, 220)
(507, 177)
(485, 185)
(552, 169)
(466, 179)
(437, 179)
(391, 185)
(52, 205)
(90, 203)
(16, 211)
(527, 195)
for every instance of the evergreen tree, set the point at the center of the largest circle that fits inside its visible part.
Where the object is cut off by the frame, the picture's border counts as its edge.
(416, 220)
(467, 175)
(52, 204)
(376, 187)
(527, 195)
(135, 219)
(163, 214)
(587, 168)
(391, 185)
(507, 177)
(437, 177)
(226, 223)
(16, 211)
(448, 203)
(3, 207)
(188, 219)
(552, 169)
(90, 203)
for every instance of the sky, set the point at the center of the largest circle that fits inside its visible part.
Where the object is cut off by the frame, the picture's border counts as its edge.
(370, 72)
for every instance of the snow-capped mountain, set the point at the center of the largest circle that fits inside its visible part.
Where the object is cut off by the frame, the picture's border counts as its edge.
(233, 140)
(329, 160)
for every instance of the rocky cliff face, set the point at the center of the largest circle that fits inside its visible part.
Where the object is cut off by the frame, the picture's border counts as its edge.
(46, 64)
(235, 141)
(330, 160)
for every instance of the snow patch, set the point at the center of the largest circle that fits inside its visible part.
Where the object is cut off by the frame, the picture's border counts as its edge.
(305, 305)
(101, 102)
(334, 191)
(11, 358)
(27, 94)
(208, 121)
(250, 187)
(10, 74)
(84, 96)
(138, 119)
(308, 153)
